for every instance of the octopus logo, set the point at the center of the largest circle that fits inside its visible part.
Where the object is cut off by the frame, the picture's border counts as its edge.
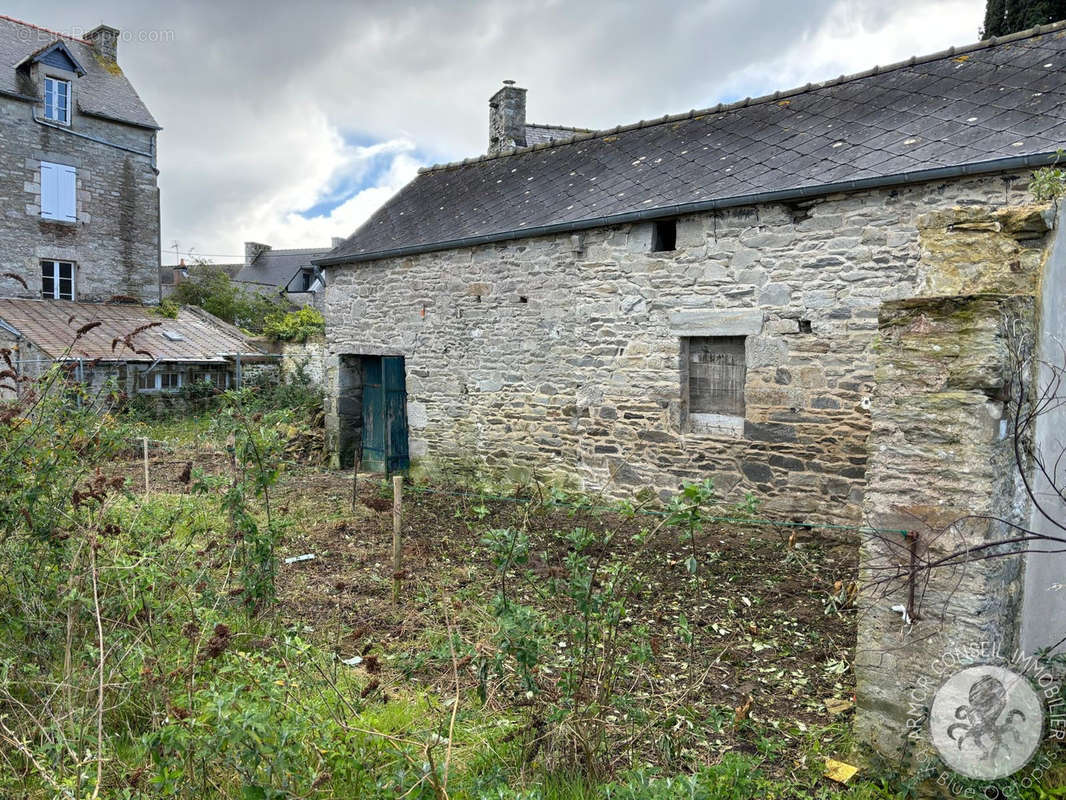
(986, 722)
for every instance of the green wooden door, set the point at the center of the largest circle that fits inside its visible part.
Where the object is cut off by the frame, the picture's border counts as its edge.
(384, 414)
(397, 459)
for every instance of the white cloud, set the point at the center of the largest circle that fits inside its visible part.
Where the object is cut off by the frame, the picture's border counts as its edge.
(275, 223)
(852, 39)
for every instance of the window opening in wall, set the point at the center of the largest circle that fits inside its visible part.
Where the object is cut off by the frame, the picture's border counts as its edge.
(715, 371)
(523, 299)
(57, 280)
(664, 236)
(159, 381)
(805, 326)
(57, 100)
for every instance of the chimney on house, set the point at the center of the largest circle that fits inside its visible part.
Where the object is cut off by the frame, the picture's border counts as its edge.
(181, 272)
(104, 40)
(252, 251)
(336, 242)
(507, 119)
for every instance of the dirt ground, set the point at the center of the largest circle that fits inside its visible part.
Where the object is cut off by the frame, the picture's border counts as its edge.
(771, 648)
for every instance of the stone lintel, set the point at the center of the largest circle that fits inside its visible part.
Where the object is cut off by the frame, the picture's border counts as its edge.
(734, 322)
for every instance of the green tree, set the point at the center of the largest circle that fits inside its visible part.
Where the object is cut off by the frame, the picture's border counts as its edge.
(1003, 17)
(210, 287)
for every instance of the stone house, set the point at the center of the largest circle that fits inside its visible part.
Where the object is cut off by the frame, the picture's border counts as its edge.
(77, 169)
(81, 224)
(286, 273)
(289, 273)
(823, 297)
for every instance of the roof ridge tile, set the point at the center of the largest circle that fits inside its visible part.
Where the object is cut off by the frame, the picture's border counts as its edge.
(45, 30)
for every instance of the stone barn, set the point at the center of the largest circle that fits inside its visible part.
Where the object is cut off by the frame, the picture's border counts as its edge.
(696, 295)
(823, 297)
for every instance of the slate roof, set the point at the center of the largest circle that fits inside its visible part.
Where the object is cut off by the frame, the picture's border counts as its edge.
(274, 268)
(103, 91)
(52, 325)
(544, 134)
(996, 105)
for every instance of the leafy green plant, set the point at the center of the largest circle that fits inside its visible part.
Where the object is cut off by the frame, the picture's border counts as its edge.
(167, 308)
(254, 445)
(688, 511)
(569, 659)
(1048, 183)
(210, 287)
(294, 326)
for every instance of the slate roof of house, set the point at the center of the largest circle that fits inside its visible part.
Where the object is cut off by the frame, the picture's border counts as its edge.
(274, 268)
(52, 326)
(544, 134)
(103, 91)
(995, 105)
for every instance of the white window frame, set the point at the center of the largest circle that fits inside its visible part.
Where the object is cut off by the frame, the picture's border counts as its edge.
(54, 89)
(156, 380)
(59, 192)
(56, 268)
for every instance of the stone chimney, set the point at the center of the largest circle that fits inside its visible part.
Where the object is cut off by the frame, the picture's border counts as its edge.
(181, 272)
(507, 118)
(252, 251)
(336, 242)
(104, 40)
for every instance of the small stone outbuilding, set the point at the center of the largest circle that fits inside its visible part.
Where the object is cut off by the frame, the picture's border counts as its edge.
(822, 297)
(125, 348)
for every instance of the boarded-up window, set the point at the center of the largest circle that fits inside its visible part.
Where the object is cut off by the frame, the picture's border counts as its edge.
(716, 372)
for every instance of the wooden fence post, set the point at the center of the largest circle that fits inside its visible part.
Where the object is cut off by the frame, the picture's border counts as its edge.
(144, 450)
(355, 483)
(397, 520)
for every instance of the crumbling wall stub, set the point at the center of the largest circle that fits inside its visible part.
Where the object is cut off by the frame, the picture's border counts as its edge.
(942, 468)
(976, 249)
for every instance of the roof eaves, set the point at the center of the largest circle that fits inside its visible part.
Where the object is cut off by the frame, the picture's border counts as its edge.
(16, 96)
(99, 115)
(660, 212)
(11, 329)
(951, 52)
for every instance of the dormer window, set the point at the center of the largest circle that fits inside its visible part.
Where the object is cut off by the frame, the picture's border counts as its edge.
(57, 100)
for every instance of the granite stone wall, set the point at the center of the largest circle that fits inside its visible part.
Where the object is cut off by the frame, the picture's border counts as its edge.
(307, 357)
(560, 357)
(115, 241)
(947, 367)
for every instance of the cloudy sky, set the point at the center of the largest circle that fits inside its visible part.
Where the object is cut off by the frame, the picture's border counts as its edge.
(289, 123)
